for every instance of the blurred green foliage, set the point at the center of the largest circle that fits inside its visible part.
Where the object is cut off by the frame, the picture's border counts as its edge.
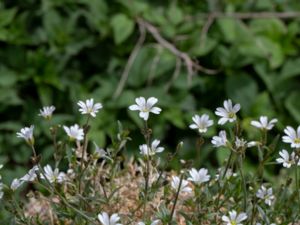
(61, 51)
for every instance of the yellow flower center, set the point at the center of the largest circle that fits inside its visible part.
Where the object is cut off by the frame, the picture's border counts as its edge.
(231, 115)
(297, 140)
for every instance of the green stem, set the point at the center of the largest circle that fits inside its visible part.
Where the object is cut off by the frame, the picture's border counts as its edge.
(240, 165)
(176, 198)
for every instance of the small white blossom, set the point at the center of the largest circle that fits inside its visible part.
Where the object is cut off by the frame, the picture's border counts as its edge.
(31, 175)
(240, 143)
(201, 123)
(27, 134)
(183, 187)
(74, 132)
(99, 152)
(144, 150)
(252, 144)
(234, 218)
(16, 183)
(228, 113)
(286, 159)
(145, 107)
(88, 107)
(220, 140)
(199, 177)
(47, 112)
(263, 123)
(292, 136)
(266, 195)
(228, 175)
(53, 176)
(105, 219)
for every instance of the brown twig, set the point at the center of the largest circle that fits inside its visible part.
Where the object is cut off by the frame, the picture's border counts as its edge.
(248, 15)
(191, 65)
(130, 62)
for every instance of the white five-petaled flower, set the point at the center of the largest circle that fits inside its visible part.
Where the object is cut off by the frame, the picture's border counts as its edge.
(266, 195)
(199, 177)
(228, 113)
(286, 159)
(47, 112)
(105, 219)
(99, 152)
(201, 123)
(241, 143)
(145, 107)
(183, 187)
(292, 136)
(144, 150)
(220, 140)
(74, 132)
(16, 183)
(27, 134)
(263, 123)
(155, 222)
(31, 175)
(234, 218)
(53, 176)
(88, 107)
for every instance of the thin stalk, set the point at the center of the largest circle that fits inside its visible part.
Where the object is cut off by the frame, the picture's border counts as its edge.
(147, 139)
(176, 198)
(244, 183)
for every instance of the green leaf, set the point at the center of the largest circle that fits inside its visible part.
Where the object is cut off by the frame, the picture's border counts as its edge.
(8, 77)
(228, 28)
(7, 16)
(292, 104)
(290, 69)
(175, 14)
(242, 89)
(122, 27)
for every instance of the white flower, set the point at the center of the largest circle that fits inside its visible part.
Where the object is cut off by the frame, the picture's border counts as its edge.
(292, 136)
(53, 176)
(199, 177)
(265, 194)
(228, 113)
(144, 150)
(99, 152)
(234, 218)
(145, 107)
(16, 183)
(155, 222)
(31, 175)
(88, 107)
(263, 123)
(183, 187)
(228, 175)
(240, 143)
(27, 134)
(286, 159)
(74, 132)
(220, 140)
(252, 144)
(201, 123)
(47, 112)
(106, 220)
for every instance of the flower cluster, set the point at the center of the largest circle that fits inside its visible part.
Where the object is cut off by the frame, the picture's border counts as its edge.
(190, 195)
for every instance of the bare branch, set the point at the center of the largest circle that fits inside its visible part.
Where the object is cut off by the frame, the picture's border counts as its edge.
(190, 64)
(130, 61)
(248, 15)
